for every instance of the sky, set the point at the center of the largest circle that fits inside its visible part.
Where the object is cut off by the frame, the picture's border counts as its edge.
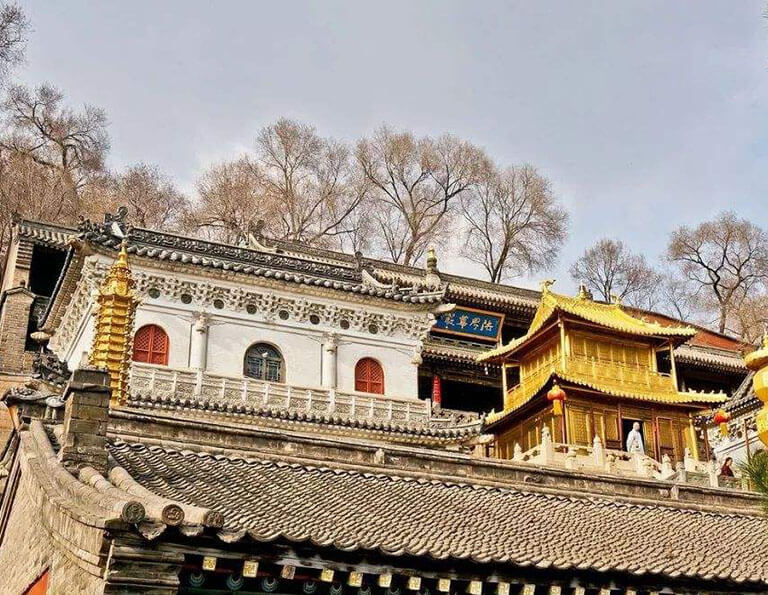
(645, 115)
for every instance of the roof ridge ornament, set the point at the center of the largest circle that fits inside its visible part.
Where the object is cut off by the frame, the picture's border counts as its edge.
(432, 276)
(257, 239)
(584, 292)
(546, 284)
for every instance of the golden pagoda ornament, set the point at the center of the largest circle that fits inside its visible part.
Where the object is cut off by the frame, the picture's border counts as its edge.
(113, 335)
(757, 361)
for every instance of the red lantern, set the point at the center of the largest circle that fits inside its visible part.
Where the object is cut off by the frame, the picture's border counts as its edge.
(722, 418)
(556, 395)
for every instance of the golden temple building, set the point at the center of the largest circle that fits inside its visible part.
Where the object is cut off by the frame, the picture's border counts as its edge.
(586, 369)
(757, 361)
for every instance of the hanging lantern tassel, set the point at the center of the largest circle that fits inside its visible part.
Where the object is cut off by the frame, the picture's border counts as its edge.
(722, 418)
(556, 395)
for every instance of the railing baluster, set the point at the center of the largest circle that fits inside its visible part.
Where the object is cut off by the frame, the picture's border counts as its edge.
(309, 400)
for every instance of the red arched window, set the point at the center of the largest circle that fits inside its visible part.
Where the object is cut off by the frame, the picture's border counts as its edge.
(150, 345)
(369, 376)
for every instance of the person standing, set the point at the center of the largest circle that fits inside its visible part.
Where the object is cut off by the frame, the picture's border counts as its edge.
(726, 470)
(635, 440)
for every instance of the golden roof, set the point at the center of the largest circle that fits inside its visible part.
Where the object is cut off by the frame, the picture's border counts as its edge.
(643, 385)
(758, 358)
(610, 316)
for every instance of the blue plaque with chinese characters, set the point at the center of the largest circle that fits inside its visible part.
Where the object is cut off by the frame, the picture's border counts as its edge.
(468, 322)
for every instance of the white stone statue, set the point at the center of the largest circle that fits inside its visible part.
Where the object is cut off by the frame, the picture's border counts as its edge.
(635, 440)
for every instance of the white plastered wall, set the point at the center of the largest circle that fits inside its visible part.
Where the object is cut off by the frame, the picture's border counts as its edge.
(231, 332)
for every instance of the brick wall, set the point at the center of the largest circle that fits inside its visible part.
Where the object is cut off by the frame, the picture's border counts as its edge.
(14, 319)
(28, 547)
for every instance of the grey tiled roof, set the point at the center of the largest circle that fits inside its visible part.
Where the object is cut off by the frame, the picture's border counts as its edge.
(433, 430)
(55, 236)
(743, 398)
(399, 515)
(730, 361)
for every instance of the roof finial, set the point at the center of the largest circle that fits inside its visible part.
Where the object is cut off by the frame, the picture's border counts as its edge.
(431, 260)
(546, 284)
(432, 277)
(584, 293)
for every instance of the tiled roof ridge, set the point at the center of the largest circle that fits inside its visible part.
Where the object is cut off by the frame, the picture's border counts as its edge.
(388, 474)
(46, 224)
(395, 267)
(416, 429)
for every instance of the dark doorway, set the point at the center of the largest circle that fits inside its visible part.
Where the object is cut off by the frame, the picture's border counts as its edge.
(626, 428)
(44, 269)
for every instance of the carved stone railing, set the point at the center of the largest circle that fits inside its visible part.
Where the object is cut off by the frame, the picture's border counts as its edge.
(189, 384)
(596, 459)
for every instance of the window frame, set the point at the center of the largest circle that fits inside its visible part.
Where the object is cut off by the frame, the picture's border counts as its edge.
(151, 353)
(367, 381)
(265, 368)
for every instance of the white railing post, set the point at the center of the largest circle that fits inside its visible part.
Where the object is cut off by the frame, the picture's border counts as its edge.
(517, 452)
(712, 473)
(152, 375)
(174, 382)
(666, 467)
(309, 400)
(332, 400)
(352, 406)
(547, 448)
(570, 459)
(389, 411)
(223, 389)
(598, 453)
(265, 398)
(289, 393)
(690, 462)
(244, 391)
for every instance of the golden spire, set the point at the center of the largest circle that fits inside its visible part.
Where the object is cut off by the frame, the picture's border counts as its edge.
(113, 334)
(757, 361)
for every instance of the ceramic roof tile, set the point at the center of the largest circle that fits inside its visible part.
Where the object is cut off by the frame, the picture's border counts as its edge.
(397, 515)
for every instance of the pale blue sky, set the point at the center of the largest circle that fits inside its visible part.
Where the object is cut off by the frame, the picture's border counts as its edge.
(644, 114)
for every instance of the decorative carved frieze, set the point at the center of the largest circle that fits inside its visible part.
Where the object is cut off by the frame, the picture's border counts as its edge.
(250, 303)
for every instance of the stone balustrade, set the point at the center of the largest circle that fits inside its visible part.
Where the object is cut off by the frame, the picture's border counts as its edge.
(147, 379)
(597, 459)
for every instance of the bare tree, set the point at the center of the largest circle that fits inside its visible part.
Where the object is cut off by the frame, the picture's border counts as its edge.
(610, 270)
(725, 260)
(152, 199)
(229, 201)
(750, 319)
(514, 223)
(28, 190)
(310, 181)
(71, 144)
(13, 37)
(415, 183)
(677, 297)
